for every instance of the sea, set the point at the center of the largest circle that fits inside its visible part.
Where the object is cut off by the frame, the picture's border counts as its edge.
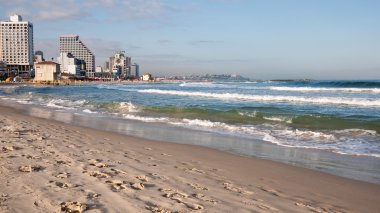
(332, 126)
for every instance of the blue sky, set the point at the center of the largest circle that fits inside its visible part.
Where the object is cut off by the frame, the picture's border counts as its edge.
(261, 39)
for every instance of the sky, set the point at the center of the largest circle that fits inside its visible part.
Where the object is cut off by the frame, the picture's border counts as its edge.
(260, 39)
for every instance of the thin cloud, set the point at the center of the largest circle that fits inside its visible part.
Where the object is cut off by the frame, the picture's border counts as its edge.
(133, 47)
(102, 48)
(54, 10)
(223, 61)
(202, 42)
(164, 41)
(161, 56)
(45, 10)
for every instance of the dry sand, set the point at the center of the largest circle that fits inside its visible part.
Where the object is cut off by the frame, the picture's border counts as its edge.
(47, 166)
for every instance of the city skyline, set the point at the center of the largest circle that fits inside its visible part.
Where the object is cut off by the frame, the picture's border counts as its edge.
(258, 39)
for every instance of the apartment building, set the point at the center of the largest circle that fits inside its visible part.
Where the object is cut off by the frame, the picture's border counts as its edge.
(73, 45)
(16, 44)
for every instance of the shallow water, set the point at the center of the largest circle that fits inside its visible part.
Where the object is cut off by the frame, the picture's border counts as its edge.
(362, 168)
(335, 116)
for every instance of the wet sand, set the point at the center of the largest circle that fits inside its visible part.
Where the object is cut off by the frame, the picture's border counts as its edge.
(49, 166)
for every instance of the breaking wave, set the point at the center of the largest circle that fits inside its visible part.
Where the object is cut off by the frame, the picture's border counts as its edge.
(340, 141)
(271, 98)
(324, 89)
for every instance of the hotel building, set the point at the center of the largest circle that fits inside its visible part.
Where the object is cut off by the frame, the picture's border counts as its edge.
(16, 44)
(135, 70)
(120, 64)
(69, 64)
(72, 44)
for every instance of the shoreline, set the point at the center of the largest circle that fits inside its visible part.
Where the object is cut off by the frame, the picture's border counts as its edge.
(232, 181)
(363, 168)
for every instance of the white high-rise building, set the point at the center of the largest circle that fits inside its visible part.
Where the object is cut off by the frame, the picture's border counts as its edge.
(120, 64)
(69, 64)
(16, 44)
(72, 44)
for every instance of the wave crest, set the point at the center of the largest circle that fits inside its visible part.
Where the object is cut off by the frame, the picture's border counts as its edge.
(324, 89)
(271, 98)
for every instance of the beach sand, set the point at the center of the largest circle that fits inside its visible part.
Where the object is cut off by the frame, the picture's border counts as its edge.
(48, 166)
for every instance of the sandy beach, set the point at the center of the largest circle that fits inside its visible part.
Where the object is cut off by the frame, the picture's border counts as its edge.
(48, 166)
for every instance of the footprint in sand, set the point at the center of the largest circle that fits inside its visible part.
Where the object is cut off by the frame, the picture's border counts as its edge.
(204, 198)
(156, 208)
(259, 204)
(117, 185)
(30, 157)
(3, 202)
(137, 186)
(97, 174)
(192, 169)
(63, 175)
(196, 170)
(157, 176)
(71, 146)
(271, 191)
(7, 148)
(180, 197)
(29, 168)
(97, 163)
(61, 184)
(118, 171)
(93, 195)
(73, 207)
(197, 186)
(142, 178)
(318, 209)
(63, 162)
(240, 190)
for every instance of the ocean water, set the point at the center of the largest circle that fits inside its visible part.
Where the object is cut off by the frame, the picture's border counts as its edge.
(336, 116)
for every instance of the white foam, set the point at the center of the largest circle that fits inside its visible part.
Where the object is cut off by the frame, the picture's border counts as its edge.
(224, 85)
(120, 87)
(128, 106)
(280, 119)
(65, 104)
(54, 104)
(271, 98)
(357, 132)
(89, 111)
(146, 119)
(249, 114)
(340, 141)
(198, 84)
(23, 101)
(322, 89)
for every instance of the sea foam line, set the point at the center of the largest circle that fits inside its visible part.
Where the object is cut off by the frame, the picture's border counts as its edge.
(283, 137)
(324, 89)
(270, 98)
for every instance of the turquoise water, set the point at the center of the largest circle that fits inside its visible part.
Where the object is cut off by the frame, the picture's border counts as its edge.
(337, 116)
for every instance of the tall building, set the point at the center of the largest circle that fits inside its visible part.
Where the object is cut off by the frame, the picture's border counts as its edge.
(120, 64)
(135, 70)
(16, 44)
(69, 64)
(72, 44)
